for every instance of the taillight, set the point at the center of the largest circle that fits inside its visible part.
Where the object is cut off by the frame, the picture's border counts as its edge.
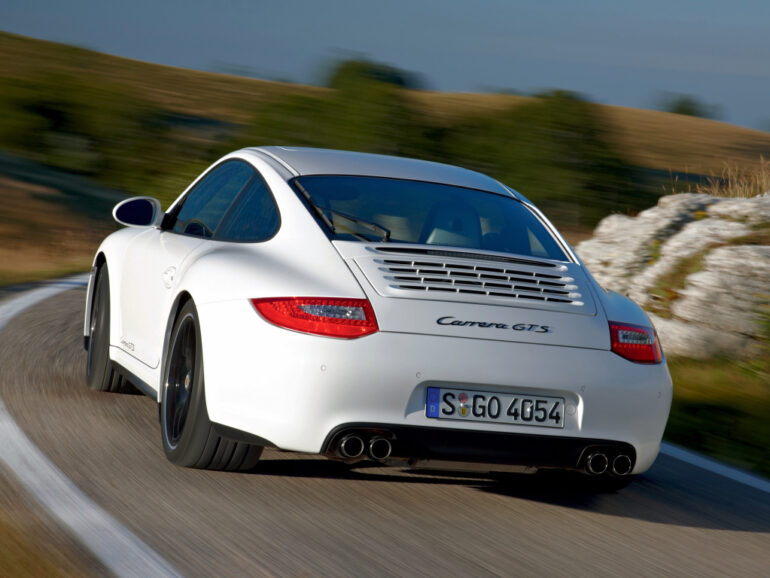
(345, 318)
(635, 342)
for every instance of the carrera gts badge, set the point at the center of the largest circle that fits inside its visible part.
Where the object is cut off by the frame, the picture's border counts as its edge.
(449, 320)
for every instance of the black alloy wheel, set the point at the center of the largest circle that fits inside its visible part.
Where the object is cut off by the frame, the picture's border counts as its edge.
(101, 372)
(97, 362)
(179, 381)
(188, 436)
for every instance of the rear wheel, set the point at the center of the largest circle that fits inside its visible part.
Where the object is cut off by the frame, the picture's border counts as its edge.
(188, 436)
(101, 373)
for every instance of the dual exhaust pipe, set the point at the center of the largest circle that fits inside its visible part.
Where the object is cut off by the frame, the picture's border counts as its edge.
(352, 446)
(598, 463)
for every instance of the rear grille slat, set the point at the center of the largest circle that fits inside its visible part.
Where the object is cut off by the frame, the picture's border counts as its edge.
(527, 281)
(400, 270)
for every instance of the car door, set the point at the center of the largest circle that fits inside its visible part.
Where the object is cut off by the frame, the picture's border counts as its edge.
(156, 258)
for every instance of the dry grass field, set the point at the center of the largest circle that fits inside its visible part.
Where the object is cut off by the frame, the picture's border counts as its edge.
(220, 96)
(42, 235)
(647, 138)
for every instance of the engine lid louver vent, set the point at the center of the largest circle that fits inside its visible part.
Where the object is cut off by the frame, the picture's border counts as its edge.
(506, 282)
(437, 274)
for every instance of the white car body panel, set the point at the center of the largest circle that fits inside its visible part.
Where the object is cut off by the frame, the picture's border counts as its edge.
(292, 389)
(153, 263)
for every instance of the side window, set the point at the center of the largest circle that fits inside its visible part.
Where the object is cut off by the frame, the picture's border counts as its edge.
(253, 216)
(205, 205)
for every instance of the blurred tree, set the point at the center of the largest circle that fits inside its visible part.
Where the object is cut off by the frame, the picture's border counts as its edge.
(368, 111)
(554, 150)
(356, 71)
(687, 105)
(85, 125)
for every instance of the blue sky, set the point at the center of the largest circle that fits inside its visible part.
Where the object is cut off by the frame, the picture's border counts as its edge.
(613, 51)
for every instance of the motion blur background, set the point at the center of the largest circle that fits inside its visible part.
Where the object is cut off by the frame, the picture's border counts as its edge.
(587, 108)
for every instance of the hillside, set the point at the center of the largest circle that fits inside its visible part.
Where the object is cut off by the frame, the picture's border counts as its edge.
(149, 129)
(649, 139)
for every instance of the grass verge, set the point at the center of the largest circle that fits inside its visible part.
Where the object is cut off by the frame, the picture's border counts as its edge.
(45, 233)
(738, 181)
(11, 277)
(668, 286)
(720, 409)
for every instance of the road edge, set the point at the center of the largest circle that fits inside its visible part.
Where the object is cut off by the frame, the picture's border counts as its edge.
(114, 545)
(715, 467)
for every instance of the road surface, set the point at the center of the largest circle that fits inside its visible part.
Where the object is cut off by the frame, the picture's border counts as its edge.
(301, 515)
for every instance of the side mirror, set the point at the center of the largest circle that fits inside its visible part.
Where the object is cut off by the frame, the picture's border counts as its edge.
(138, 212)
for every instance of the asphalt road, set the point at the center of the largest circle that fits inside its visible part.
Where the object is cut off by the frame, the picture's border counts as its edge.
(300, 515)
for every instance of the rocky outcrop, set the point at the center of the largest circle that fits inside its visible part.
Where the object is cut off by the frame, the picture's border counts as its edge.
(699, 264)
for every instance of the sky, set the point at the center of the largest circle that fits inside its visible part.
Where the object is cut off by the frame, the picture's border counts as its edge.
(612, 51)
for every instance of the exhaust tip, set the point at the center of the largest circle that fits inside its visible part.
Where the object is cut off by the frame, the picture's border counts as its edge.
(379, 448)
(351, 446)
(621, 465)
(597, 463)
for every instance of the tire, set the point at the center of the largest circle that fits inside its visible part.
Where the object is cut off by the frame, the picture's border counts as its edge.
(189, 439)
(101, 373)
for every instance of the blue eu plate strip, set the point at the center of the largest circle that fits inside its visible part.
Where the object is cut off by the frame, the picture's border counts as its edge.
(432, 402)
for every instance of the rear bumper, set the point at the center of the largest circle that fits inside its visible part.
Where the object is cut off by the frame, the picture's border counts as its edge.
(414, 443)
(297, 390)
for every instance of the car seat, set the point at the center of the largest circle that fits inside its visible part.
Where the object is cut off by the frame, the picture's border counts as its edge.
(452, 223)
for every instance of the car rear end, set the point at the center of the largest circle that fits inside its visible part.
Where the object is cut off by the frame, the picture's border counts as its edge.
(470, 334)
(503, 360)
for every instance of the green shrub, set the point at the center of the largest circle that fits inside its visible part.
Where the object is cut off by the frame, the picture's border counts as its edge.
(364, 113)
(554, 150)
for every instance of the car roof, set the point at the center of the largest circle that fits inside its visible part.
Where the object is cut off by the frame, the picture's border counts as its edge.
(302, 161)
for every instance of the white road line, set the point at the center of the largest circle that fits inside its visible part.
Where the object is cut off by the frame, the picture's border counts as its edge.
(113, 545)
(12, 307)
(715, 467)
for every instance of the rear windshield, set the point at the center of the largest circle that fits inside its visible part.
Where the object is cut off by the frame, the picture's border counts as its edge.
(428, 213)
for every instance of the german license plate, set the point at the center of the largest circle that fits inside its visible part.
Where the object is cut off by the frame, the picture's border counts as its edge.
(513, 408)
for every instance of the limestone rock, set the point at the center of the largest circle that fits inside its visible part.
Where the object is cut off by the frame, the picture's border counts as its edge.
(622, 246)
(755, 211)
(680, 338)
(694, 238)
(728, 293)
(722, 308)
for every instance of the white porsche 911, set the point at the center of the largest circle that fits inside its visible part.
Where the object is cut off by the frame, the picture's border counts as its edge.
(371, 307)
